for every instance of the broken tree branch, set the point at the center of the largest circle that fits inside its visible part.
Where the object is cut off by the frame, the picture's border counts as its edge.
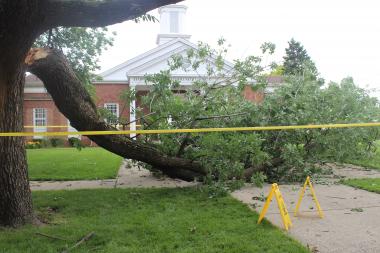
(193, 123)
(50, 236)
(140, 118)
(74, 102)
(221, 116)
(82, 240)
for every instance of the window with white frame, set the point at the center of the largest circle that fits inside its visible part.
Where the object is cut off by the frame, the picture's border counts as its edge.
(39, 121)
(113, 108)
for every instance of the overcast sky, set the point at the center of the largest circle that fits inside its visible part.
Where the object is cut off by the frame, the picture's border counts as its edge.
(342, 37)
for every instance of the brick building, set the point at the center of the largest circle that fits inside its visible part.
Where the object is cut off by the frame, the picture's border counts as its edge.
(40, 113)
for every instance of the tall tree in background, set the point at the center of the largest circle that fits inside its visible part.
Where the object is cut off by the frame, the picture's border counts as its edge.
(296, 60)
(21, 23)
(82, 47)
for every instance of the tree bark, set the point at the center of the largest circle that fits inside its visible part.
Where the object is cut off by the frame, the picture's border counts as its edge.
(20, 24)
(72, 99)
(15, 196)
(99, 13)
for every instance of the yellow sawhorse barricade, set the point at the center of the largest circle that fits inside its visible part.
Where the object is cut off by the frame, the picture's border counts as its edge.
(275, 190)
(281, 206)
(308, 183)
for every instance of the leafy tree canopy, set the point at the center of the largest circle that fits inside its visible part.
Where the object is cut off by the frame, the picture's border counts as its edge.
(82, 47)
(303, 101)
(217, 101)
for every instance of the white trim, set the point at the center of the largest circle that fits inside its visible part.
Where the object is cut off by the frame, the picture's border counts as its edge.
(168, 37)
(72, 129)
(35, 90)
(111, 82)
(172, 7)
(185, 80)
(149, 87)
(158, 52)
(162, 58)
(137, 58)
(132, 115)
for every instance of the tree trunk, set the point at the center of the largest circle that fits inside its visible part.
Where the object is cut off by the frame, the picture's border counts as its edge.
(17, 34)
(15, 195)
(21, 22)
(72, 99)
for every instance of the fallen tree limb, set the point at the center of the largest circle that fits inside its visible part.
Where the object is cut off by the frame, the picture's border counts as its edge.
(82, 240)
(248, 173)
(74, 102)
(221, 116)
(50, 236)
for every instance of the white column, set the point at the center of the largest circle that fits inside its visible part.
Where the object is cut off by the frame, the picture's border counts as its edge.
(132, 115)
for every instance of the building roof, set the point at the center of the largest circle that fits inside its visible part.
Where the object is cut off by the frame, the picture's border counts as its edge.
(275, 80)
(33, 81)
(155, 60)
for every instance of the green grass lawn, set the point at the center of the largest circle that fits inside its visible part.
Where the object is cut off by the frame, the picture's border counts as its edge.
(369, 184)
(372, 162)
(72, 164)
(146, 220)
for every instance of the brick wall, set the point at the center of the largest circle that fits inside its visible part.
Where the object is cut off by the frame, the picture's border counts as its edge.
(110, 93)
(254, 96)
(105, 93)
(53, 117)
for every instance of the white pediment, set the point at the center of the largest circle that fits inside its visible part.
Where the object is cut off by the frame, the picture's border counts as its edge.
(154, 61)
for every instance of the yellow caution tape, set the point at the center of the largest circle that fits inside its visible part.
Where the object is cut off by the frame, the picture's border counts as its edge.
(55, 126)
(46, 126)
(198, 130)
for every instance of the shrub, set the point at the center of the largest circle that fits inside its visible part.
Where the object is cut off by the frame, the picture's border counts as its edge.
(258, 179)
(32, 145)
(76, 143)
(57, 142)
(45, 143)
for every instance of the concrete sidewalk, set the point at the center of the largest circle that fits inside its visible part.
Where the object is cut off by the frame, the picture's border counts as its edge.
(351, 222)
(128, 177)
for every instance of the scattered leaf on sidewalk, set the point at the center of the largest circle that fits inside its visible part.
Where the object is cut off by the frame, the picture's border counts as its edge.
(259, 198)
(254, 205)
(313, 249)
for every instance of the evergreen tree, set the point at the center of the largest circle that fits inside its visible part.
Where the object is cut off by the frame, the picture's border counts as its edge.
(297, 60)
